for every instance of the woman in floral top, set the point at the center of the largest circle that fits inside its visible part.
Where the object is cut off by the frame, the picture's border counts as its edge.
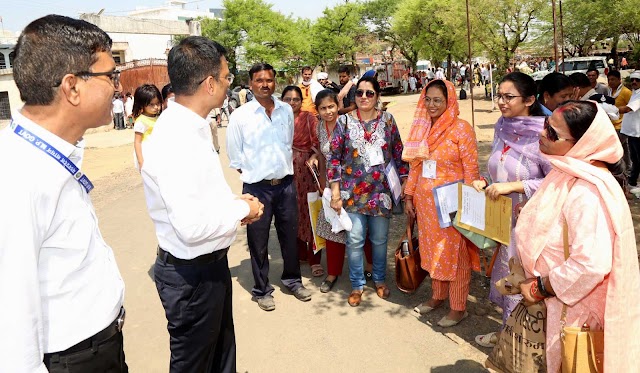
(364, 142)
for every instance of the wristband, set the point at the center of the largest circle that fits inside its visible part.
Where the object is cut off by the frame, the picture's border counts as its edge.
(485, 182)
(542, 289)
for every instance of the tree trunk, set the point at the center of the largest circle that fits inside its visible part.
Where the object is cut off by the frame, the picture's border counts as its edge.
(614, 50)
(449, 66)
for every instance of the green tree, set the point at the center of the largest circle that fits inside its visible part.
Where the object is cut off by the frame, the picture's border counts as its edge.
(253, 32)
(503, 25)
(337, 35)
(584, 23)
(424, 28)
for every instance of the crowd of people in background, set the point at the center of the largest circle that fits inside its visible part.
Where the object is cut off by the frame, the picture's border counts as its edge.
(565, 151)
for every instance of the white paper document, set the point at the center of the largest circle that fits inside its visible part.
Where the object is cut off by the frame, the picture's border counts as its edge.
(473, 207)
(394, 181)
(446, 198)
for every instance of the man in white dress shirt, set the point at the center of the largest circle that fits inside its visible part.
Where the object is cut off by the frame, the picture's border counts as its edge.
(61, 290)
(259, 144)
(194, 211)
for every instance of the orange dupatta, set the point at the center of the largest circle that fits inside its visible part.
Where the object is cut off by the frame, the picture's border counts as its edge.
(424, 136)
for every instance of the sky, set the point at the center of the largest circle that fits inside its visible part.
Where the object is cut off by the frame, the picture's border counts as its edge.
(16, 14)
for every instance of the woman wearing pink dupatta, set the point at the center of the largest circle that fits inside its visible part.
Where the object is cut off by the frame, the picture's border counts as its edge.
(600, 279)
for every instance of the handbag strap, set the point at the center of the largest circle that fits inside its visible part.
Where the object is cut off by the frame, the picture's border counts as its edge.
(410, 223)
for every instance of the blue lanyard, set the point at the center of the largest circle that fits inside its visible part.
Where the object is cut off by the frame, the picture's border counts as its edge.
(53, 153)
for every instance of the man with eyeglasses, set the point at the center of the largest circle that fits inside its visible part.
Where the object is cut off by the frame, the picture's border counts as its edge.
(195, 214)
(61, 288)
(631, 128)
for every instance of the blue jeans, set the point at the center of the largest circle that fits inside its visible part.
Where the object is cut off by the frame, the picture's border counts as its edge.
(378, 227)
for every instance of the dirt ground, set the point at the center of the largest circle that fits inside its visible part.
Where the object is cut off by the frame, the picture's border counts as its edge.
(324, 335)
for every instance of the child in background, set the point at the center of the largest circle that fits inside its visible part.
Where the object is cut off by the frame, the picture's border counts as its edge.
(147, 106)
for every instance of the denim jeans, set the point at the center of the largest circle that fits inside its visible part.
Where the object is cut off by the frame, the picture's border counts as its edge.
(378, 227)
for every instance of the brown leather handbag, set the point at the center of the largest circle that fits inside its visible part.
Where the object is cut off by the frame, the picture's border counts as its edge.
(409, 274)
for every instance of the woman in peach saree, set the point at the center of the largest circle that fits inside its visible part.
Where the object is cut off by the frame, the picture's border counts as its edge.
(600, 280)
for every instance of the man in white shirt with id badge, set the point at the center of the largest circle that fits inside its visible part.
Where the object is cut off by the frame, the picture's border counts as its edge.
(194, 211)
(61, 290)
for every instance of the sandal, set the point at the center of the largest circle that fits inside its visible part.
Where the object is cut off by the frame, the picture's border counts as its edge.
(383, 291)
(487, 340)
(355, 298)
(317, 270)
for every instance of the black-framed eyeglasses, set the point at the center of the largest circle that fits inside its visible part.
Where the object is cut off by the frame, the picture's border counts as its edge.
(292, 99)
(362, 92)
(552, 135)
(113, 75)
(635, 80)
(505, 98)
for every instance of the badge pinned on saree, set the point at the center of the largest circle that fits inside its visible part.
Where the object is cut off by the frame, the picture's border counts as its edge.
(429, 169)
(375, 156)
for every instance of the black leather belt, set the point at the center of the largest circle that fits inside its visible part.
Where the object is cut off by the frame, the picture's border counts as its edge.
(274, 182)
(202, 259)
(92, 342)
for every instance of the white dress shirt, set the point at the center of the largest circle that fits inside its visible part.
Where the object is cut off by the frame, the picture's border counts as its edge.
(189, 201)
(258, 145)
(118, 106)
(59, 282)
(631, 120)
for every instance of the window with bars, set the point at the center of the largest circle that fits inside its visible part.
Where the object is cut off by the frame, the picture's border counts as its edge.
(5, 107)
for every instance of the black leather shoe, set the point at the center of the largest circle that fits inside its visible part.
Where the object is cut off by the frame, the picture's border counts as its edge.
(327, 285)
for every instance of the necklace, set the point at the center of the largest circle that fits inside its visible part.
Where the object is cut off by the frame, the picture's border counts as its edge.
(367, 134)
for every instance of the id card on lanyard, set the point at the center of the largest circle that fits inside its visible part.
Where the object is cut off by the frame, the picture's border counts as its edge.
(53, 153)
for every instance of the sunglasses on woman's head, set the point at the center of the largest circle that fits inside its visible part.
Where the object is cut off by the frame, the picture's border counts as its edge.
(362, 92)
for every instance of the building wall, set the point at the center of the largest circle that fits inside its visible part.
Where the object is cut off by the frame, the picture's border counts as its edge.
(141, 46)
(8, 85)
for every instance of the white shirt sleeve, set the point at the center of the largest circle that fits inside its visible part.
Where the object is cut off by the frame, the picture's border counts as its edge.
(634, 105)
(21, 339)
(139, 127)
(234, 141)
(199, 203)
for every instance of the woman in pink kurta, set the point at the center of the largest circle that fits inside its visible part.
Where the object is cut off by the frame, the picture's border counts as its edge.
(446, 144)
(600, 279)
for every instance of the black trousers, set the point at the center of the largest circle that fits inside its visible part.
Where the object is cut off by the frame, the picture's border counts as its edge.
(634, 154)
(107, 356)
(197, 302)
(279, 201)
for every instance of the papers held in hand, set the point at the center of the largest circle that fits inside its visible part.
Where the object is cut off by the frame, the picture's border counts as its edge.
(475, 211)
(484, 216)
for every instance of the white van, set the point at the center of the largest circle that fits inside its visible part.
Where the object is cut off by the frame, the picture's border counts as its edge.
(577, 64)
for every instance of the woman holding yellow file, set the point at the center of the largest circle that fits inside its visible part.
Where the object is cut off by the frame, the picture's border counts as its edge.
(517, 169)
(441, 148)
